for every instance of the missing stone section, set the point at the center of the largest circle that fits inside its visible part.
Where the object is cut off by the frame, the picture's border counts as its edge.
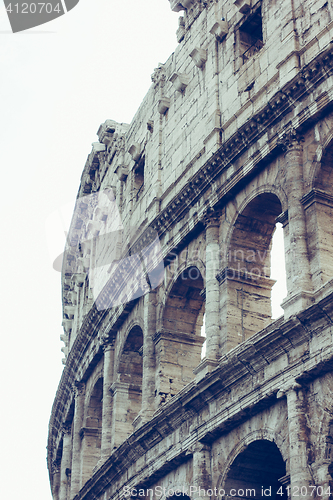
(250, 36)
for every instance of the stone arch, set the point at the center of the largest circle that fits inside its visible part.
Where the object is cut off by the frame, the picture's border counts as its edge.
(127, 389)
(130, 359)
(322, 160)
(245, 281)
(254, 463)
(178, 343)
(92, 430)
(183, 307)
(322, 175)
(318, 206)
(260, 194)
(135, 324)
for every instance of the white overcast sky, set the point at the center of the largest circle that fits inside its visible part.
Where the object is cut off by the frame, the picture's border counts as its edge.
(58, 83)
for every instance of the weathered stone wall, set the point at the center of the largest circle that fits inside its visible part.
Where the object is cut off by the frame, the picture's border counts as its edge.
(172, 230)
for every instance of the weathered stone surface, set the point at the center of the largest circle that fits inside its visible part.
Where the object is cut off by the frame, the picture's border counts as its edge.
(172, 230)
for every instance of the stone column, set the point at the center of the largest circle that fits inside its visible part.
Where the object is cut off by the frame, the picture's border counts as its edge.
(299, 277)
(65, 461)
(212, 307)
(76, 454)
(201, 471)
(56, 480)
(298, 440)
(107, 400)
(148, 362)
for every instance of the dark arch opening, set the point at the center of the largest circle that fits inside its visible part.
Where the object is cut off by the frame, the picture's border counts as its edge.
(185, 305)
(94, 411)
(257, 470)
(178, 345)
(130, 372)
(318, 206)
(324, 175)
(92, 431)
(247, 280)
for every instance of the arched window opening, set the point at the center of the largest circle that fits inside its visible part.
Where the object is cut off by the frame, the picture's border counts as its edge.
(318, 206)
(179, 344)
(203, 334)
(246, 283)
(278, 271)
(257, 472)
(184, 309)
(92, 432)
(127, 391)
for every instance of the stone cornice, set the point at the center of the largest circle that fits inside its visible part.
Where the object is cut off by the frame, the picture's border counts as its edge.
(241, 363)
(317, 196)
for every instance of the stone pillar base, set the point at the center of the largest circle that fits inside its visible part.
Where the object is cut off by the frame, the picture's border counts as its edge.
(204, 367)
(296, 303)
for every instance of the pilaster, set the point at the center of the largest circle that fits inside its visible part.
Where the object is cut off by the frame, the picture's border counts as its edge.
(212, 306)
(148, 380)
(76, 453)
(65, 471)
(56, 479)
(299, 282)
(108, 350)
(201, 470)
(300, 475)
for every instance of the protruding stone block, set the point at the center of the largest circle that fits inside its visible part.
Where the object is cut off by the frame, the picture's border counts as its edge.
(219, 30)
(199, 57)
(122, 172)
(176, 6)
(135, 151)
(98, 147)
(163, 105)
(180, 81)
(244, 6)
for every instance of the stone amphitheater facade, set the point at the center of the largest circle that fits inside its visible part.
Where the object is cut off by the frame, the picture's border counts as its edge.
(173, 224)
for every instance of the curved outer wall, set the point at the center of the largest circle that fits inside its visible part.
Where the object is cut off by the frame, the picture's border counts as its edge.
(172, 229)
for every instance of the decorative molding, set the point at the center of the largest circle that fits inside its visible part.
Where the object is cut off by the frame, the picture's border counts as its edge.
(159, 77)
(283, 218)
(180, 33)
(67, 428)
(79, 389)
(183, 338)
(229, 273)
(290, 140)
(317, 196)
(211, 218)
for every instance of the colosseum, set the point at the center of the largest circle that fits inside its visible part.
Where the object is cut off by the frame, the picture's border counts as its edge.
(177, 381)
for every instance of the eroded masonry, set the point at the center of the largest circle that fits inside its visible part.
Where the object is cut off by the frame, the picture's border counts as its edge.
(172, 230)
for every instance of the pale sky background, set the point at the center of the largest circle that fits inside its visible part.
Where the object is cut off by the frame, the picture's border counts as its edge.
(58, 83)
